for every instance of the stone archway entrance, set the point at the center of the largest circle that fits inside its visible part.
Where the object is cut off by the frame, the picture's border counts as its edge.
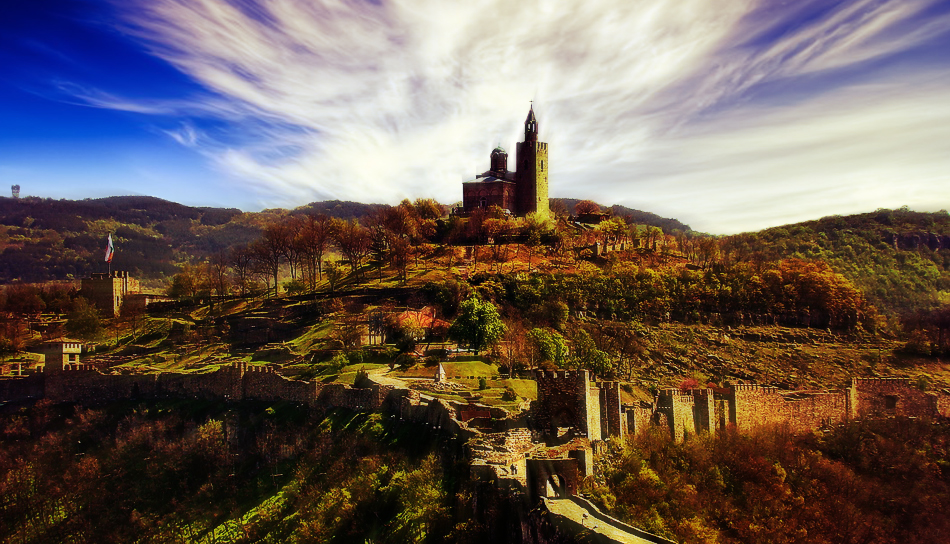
(554, 487)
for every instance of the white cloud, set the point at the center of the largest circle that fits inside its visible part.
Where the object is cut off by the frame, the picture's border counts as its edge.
(407, 98)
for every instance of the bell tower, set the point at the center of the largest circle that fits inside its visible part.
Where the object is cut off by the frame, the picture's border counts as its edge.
(531, 176)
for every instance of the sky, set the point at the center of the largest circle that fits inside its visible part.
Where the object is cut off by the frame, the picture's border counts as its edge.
(729, 115)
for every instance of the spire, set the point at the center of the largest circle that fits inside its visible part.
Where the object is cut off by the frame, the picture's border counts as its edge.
(531, 126)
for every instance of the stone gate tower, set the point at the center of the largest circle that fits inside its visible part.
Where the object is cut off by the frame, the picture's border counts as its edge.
(531, 178)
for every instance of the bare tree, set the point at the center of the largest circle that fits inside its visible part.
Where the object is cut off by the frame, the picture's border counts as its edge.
(353, 241)
(241, 259)
(311, 242)
(270, 250)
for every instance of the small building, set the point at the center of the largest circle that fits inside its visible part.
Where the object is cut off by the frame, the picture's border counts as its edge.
(60, 355)
(109, 290)
(440, 374)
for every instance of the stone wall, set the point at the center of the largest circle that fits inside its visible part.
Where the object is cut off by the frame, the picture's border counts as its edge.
(755, 406)
(611, 415)
(892, 396)
(638, 416)
(560, 477)
(22, 388)
(566, 399)
(678, 407)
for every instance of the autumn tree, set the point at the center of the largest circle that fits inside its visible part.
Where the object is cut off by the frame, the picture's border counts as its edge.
(311, 241)
(354, 242)
(586, 206)
(241, 260)
(271, 249)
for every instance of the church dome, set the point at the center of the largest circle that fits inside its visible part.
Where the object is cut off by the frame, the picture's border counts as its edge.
(499, 160)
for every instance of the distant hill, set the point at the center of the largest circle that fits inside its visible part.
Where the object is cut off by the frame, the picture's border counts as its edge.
(900, 259)
(341, 209)
(639, 217)
(46, 239)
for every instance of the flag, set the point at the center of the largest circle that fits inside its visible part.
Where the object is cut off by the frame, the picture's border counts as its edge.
(109, 250)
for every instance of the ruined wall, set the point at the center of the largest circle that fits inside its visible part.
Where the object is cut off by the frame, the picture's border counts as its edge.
(756, 406)
(891, 396)
(501, 457)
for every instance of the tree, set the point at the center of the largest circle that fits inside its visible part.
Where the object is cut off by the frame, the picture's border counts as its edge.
(186, 283)
(586, 206)
(312, 244)
(218, 279)
(241, 259)
(353, 240)
(270, 249)
(550, 346)
(478, 325)
(84, 320)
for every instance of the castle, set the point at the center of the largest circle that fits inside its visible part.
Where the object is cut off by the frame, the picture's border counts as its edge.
(520, 192)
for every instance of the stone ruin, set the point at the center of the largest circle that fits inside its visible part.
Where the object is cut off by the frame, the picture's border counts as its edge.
(545, 451)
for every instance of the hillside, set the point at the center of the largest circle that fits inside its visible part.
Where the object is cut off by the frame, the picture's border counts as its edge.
(46, 239)
(636, 216)
(899, 259)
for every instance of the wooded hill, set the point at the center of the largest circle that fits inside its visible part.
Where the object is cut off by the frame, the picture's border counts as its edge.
(899, 259)
(46, 239)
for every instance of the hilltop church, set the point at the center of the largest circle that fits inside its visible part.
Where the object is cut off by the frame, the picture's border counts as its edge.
(521, 192)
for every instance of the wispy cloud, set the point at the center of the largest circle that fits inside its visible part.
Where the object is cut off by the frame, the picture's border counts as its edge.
(651, 103)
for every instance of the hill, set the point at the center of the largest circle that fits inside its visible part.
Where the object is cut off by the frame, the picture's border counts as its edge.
(636, 216)
(899, 259)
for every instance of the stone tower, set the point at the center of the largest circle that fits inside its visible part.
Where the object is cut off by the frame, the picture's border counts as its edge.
(531, 177)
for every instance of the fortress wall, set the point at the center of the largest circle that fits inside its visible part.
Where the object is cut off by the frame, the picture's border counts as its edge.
(565, 399)
(678, 407)
(638, 417)
(266, 384)
(704, 410)
(757, 406)
(17, 389)
(92, 387)
(894, 396)
(590, 405)
(610, 412)
(224, 383)
(816, 411)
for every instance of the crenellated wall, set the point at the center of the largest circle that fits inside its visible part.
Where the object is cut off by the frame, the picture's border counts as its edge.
(567, 399)
(755, 406)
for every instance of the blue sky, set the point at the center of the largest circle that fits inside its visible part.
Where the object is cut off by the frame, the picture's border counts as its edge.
(730, 115)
